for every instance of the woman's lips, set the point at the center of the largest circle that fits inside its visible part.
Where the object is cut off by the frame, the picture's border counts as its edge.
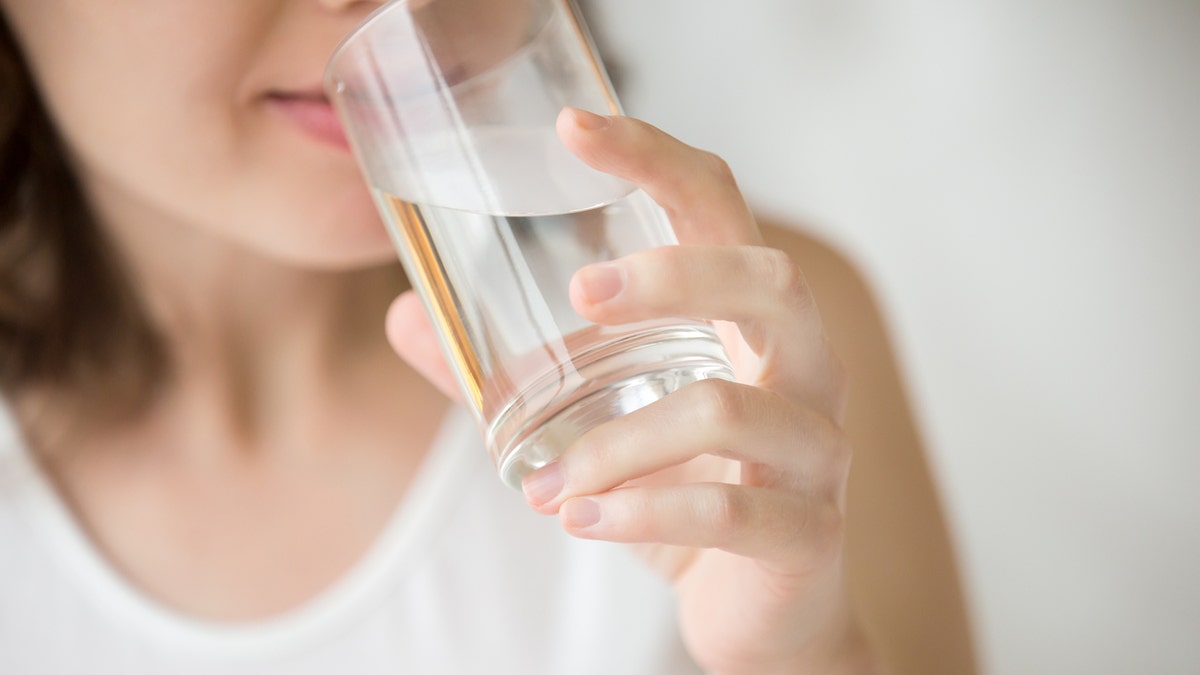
(311, 114)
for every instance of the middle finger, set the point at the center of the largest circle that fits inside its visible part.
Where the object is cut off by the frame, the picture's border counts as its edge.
(760, 289)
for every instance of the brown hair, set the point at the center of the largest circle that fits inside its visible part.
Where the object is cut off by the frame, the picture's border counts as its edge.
(69, 322)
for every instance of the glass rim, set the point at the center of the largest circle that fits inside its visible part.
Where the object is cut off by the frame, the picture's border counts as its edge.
(343, 45)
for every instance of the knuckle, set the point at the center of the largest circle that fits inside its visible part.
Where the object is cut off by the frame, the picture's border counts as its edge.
(721, 402)
(827, 545)
(594, 453)
(842, 453)
(837, 391)
(729, 513)
(719, 169)
(818, 538)
(587, 454)
(636, 517)
(783, 276)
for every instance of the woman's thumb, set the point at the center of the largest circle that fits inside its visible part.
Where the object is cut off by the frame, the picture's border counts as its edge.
(411, 335)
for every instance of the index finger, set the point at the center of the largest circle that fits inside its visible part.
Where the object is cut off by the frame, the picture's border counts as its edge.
(695, 187)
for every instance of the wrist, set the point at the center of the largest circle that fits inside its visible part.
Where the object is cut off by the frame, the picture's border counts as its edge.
(814, 631)
(840, 647)
(845, 650)
(849, 653)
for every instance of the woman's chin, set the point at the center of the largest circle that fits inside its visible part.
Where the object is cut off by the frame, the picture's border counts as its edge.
(326, 249)
(342, 237)
(347, 256)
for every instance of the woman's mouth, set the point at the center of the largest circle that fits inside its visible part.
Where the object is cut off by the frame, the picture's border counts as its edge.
(311, 113)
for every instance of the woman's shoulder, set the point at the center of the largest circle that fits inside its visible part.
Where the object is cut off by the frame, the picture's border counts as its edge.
(899, 552)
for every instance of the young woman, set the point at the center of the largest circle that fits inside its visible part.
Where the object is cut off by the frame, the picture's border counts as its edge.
(216, 462)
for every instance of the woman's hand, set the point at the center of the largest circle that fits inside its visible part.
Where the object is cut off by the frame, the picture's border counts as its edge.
(733, 491)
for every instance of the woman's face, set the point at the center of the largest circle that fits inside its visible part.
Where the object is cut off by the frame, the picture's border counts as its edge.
(209, 114)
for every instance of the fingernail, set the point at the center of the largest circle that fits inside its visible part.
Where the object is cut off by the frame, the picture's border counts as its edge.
(544, 484)
(589, 121)
(602, 282)
(581, 513)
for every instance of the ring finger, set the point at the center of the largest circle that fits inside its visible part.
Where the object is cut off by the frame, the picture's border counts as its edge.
(797, 446)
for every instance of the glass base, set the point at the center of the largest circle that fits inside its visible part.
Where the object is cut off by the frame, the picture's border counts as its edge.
(619, 378)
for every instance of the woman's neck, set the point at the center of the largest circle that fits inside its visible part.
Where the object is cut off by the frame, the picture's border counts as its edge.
(288, 431)
(255, 342)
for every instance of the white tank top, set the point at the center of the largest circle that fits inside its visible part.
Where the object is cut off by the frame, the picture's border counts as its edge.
(465, 578)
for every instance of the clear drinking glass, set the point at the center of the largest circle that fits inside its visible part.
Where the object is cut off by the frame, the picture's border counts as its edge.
(450, 107)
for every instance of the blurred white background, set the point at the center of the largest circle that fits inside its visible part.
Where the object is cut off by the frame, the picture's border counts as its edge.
(1020, 182)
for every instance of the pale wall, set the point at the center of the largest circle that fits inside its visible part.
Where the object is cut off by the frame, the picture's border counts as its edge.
(1021, 182)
